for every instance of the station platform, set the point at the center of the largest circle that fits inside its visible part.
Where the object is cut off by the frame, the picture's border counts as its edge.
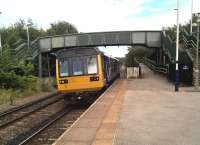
(138, 112)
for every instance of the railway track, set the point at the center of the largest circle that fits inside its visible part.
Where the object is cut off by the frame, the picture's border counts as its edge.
(53, 132)
(13, 110)
(20, 119)
(39, 122)
(11, 116)
(25, 137)
(33, 136)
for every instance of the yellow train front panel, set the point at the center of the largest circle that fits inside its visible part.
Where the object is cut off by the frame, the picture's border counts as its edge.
(81, 83)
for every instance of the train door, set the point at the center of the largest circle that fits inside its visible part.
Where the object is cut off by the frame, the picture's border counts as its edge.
(106, 69)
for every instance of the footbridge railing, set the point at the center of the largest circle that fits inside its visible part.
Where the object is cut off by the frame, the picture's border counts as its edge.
(189, 41)
(20, 49)
(164, 69)
(169, 47)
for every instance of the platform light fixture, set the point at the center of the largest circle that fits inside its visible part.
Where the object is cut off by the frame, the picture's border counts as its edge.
(27, 31)
(191, 23)
(177, 48)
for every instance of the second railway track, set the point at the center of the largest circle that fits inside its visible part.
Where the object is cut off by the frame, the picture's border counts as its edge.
(15, 114)
(24, 106)
(25, 137)
(39, 123)
(21, 119)
(33, 136)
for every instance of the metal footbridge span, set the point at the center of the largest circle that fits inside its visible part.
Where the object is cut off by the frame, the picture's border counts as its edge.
(147, 38)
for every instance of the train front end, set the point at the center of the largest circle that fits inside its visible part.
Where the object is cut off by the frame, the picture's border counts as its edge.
(79, 70)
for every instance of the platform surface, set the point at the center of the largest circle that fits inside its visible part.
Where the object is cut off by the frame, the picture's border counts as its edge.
(139, 112)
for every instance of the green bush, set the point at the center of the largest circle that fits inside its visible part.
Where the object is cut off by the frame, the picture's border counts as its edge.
(45, 85)
(11, 80)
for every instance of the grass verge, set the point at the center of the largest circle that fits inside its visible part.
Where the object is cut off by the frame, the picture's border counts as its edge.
(8, 95)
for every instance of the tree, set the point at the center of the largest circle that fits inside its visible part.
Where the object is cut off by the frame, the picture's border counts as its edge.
(171, 31)
(17, 31)
(61, 27)
(134, 52)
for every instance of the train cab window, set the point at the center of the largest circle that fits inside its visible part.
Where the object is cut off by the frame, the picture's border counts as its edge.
(78, 66)
(92, 65)
(64, 68)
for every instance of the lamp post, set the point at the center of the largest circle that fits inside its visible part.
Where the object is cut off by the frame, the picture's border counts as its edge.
(191, 17)
(177, 47)
(28, 40)
(197, 59)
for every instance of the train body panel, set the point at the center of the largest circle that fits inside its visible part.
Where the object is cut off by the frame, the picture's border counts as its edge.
(82, 83)
(111, 68)
(84, 70)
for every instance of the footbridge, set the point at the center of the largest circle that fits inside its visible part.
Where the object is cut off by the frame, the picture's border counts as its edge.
(150, 39)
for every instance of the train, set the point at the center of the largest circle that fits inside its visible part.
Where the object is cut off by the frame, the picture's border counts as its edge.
(81, 71)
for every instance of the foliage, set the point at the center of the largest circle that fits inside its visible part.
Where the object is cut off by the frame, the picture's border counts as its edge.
(132, 54)
(61, 27)
(15, 73)
(18, 30)
(45, 84)
(10, 64)
(171, 31)
(15, 34)
(32, 85)
(11, 80)
(16, 76)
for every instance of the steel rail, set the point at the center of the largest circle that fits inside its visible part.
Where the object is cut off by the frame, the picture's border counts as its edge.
(41, 127)
(29, 113)
(13, 110)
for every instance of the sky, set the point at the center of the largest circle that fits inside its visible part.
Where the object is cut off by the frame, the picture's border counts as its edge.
(99, 15)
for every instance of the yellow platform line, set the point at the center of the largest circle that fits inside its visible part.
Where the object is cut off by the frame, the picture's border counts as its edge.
(90, 108)
(106, 133)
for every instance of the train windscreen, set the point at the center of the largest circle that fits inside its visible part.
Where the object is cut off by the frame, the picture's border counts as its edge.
(64, 68)
(92, 65)
(74, 66)
(77, 66)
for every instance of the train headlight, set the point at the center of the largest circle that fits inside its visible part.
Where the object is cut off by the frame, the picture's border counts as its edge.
(63, 81)
(94, 78)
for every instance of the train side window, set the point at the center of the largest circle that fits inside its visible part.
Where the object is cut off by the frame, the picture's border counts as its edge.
(64, 68)
(92, 65)
(77, 65)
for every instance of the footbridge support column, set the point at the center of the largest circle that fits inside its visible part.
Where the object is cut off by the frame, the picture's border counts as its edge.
(40, 65)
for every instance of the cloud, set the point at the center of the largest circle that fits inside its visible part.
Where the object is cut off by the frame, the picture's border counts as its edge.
(85, 14)
(115, 51)
(98, 15)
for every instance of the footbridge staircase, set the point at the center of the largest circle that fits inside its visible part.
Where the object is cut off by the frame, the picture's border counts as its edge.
(20, 50)
(189, 43)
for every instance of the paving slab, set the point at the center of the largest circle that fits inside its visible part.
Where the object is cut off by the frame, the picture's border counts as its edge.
(153, 114)
(97, 125)
(143, 111)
